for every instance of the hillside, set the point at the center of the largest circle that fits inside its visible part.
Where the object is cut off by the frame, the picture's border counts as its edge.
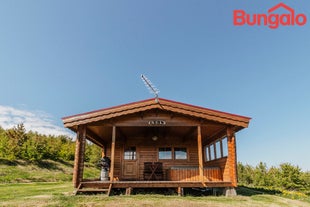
(21, 171)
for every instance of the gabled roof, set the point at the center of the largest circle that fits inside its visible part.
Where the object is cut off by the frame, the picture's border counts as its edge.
(161, 104)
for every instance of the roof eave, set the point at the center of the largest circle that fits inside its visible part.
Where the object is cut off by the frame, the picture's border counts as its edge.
(164, 104)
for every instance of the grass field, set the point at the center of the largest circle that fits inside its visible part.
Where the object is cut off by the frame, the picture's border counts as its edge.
(48, 183)
(61, 194)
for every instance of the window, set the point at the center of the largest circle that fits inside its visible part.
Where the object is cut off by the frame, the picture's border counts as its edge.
(225, 147)
(207, 154)
(130, 153)
(212, 152)
(165, 153)
(180, 153)
(218, 149)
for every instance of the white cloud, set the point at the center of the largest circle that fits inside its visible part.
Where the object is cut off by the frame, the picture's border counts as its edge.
(38, 121)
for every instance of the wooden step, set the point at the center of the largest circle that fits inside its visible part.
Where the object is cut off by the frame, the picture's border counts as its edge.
(99, 185)
(83, 190)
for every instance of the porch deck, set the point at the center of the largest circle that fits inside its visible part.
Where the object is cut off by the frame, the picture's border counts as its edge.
(107, 186)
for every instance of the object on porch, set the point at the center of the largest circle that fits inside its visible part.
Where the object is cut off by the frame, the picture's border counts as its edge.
(104, 163)
(153, 171)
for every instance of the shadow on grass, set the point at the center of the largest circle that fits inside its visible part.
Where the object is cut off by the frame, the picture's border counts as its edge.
(46, 164)
(241, 190)
(195, 192)
(250, 191)
(7, 162)
(52, 165)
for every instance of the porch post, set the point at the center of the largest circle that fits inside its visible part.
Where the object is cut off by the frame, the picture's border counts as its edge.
(112, 153)
(200, 157)
(79, 156)
(103, 151)
(232, 158)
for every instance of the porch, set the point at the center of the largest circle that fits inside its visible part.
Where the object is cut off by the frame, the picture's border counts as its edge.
(177, 177)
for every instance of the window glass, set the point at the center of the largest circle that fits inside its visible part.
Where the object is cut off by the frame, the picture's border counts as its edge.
(130, 153)
(225, 147)
(164, 153)
(180, 153)
(218, 149)
(207, 153)
(212, 157)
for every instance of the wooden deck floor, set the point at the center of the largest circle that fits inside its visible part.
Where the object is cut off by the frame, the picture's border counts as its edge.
(153, 184)
(107, 186)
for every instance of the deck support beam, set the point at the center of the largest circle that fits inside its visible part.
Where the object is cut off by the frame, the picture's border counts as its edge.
(180, 191)
(232, 158)
(200, 157)
(128, 191)
(112, 153)
(79, 156)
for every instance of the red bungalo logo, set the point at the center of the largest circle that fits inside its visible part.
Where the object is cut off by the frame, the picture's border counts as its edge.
(271, 20)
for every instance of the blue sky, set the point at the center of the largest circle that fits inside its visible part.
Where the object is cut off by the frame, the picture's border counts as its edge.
(60, 58)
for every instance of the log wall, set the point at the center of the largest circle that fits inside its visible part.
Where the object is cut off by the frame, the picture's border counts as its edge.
(223, 165)
(147, 151)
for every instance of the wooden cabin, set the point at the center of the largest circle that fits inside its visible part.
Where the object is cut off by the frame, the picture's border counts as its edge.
(159, 143)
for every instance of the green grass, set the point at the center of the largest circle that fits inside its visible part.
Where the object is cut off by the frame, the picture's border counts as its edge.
(48, 183)
(61, 194)
(44, 171)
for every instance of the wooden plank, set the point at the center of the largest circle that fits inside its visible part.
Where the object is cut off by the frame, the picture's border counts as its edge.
(79, 156)
(109, 189)
(180, 191)
(186, 174)
(221, 146)
(232, 158)
(128, 191)
(209, 152)
(78, 188)
(157, 184)
(84, 190)
(200, 156)
(112, 153)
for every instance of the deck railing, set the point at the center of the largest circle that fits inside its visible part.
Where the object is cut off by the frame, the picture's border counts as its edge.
(192, 174)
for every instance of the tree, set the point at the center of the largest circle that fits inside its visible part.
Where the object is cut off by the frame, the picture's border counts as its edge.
(260, 175)
(17, 136)
(92, 153)
(245, 174)
(290, 177)
(5, 146)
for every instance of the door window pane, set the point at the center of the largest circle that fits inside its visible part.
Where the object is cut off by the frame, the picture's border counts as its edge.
(130, 153)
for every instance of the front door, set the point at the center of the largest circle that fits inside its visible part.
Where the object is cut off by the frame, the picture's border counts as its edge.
(130, 164)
